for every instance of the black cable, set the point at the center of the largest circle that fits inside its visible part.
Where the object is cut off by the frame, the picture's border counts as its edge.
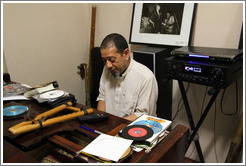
(192, 151)
(222, 98)
(215, 151)
(203, 102)
(180, 100)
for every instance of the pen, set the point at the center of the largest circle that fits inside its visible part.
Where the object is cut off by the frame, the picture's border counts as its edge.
(95, 131)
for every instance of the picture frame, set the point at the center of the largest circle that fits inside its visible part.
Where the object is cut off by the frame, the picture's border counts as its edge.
(170, 26)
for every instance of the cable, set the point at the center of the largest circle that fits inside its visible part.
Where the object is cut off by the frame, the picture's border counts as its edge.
(204, 97)
(203, 102)
(191, 151)
(222, 98)
(180, 100)
(216, 156)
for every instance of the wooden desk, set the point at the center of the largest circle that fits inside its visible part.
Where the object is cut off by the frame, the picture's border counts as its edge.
(19, 149)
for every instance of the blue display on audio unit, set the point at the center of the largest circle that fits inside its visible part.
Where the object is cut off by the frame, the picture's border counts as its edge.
(198, 56)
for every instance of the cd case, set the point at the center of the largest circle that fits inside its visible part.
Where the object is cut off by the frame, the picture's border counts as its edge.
(158, 125)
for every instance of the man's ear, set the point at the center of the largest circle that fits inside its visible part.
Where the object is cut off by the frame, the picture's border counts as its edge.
(127, 53)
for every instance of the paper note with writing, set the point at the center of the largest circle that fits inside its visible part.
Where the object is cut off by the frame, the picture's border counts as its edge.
(109, 147)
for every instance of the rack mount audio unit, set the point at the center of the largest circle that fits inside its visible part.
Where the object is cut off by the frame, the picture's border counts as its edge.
(210, 73)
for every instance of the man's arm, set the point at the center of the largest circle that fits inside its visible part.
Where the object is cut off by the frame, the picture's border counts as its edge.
(147, 98)
(101, 105)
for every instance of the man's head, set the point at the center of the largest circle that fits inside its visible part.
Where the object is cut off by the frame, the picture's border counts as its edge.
(115, 54)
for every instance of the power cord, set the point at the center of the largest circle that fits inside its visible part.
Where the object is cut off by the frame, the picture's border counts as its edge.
(215, 151)
(179, 108)
(203, 102)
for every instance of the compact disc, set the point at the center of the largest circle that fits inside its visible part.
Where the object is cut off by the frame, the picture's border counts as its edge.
(137, 132)
(52, 94)
(14, 110)
(155, 126)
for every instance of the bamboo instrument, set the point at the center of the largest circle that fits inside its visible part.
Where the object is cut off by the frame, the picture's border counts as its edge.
(92, 40)
(40, 122)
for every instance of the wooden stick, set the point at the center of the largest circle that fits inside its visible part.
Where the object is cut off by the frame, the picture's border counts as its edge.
(92, 39)
(45, 114)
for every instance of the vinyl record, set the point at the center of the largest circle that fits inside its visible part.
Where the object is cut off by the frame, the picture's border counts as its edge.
(155, 126)
(137, 132)
(14, 110)
(52, 94)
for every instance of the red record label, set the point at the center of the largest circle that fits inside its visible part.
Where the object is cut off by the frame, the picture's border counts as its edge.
(137, 132)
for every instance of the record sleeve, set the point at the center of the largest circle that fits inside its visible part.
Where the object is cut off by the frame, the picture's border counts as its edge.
(158, 125)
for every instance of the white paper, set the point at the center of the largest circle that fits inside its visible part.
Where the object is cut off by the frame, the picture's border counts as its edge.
(109, 147)
(16, 97)
(27, 86)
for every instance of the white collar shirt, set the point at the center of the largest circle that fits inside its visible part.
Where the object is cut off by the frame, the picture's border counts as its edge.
(135, 92)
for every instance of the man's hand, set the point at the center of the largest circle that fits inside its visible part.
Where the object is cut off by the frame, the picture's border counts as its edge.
(131, 117)
(101, 105)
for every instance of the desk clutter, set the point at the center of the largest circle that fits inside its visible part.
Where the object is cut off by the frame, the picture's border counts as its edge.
(107, 148)
(142, 134)
(13, 89)
(146, 132)
(41, 120)
(50, 95)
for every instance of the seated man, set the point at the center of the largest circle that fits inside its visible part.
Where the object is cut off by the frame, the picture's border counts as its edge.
(127, 89)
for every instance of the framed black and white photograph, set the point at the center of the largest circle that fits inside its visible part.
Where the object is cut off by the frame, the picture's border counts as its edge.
(162, 23)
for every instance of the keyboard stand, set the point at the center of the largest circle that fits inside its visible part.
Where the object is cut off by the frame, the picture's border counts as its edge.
(194, 128)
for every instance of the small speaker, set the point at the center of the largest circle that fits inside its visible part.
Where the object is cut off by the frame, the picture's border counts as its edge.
(148, 56)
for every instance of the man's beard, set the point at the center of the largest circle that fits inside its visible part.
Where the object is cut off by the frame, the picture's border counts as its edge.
(116, 75)
(119, 71)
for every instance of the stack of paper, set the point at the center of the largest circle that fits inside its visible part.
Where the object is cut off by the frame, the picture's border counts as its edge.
(107, 147)
(15, 91)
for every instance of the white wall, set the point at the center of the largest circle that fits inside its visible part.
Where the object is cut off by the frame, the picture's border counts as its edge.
(112, 18)
(218, 25)
(46, 42)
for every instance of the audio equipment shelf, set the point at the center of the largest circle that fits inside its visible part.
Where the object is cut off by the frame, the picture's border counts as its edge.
(217, 75)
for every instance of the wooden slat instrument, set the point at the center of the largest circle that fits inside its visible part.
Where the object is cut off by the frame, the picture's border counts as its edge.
(92, 40)
(40, 120)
